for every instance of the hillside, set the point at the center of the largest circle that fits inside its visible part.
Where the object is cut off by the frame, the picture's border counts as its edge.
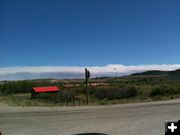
(152, 72)
(157, 74)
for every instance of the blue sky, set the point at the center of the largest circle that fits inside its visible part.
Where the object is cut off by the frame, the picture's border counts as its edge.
(89, 32)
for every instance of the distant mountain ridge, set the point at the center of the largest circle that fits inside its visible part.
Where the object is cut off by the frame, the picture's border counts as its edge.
(158, 72)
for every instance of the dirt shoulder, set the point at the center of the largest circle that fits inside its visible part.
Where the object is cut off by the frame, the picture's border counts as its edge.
(3, 104)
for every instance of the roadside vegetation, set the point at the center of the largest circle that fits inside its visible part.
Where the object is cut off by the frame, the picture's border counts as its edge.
(135, 88)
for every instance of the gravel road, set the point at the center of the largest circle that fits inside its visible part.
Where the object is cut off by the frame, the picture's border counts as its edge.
(127, 119)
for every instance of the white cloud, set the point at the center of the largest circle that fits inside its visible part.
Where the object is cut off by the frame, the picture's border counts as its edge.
(39, 69)
(23, 72)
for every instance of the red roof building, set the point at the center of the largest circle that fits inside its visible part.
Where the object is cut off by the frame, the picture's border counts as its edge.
(36, 90)
(45, 89)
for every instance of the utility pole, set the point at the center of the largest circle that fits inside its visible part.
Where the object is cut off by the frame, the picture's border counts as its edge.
(96, 80)
(116, 72)
(87, 75)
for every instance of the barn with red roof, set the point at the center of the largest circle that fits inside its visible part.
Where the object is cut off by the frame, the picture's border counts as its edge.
(47, 89)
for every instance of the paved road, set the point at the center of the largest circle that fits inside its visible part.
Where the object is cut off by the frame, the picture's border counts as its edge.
(130, 119)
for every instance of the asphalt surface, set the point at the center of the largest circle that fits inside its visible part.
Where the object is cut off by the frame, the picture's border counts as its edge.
(127, 119)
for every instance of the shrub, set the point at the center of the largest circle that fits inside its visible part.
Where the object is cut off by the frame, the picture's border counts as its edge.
(66, 95)
(164, 91)
(115, 93)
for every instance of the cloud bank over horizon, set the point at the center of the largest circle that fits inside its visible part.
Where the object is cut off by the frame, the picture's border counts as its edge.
(69, 72)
